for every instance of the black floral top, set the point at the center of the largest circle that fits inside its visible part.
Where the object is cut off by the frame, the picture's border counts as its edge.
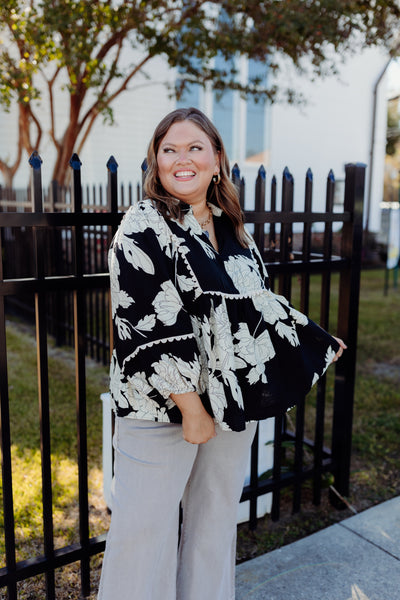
(189, 318)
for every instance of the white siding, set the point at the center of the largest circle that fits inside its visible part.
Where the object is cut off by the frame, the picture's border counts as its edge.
(137, 112)
(333, 128)
(8, 146)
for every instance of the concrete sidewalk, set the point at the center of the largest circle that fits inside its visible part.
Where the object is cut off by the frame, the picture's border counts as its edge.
(356, 559)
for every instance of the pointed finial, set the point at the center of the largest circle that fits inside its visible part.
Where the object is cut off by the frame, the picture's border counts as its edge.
(261, 171)
(236, 171)
(112, 165)
(34, 160)
(75, 162)
(287, 174)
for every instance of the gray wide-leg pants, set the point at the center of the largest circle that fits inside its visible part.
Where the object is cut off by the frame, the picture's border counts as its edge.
(154, 470)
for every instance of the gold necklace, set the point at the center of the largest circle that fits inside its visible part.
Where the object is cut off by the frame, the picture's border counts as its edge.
(203, 224)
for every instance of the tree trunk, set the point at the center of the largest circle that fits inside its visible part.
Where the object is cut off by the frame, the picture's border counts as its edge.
(64, 153)
(68, 144)
(8, 174)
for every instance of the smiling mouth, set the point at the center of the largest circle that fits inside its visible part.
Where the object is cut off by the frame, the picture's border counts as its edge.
(184, 174)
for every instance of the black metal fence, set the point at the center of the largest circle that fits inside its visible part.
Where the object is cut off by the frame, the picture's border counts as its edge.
(80, 236)
(18, 248)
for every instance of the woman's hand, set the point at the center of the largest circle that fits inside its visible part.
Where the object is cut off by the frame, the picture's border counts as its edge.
(340, 351)
(198, 429)
(197, 425)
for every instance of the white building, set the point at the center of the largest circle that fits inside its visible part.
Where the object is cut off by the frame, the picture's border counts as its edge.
(333, 128)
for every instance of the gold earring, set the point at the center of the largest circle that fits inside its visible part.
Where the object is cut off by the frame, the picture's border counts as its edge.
(216, 178)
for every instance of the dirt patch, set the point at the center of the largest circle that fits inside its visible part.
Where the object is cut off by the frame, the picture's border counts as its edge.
(387, 371)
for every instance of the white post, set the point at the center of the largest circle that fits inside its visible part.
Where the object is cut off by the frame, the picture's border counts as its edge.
(265, 462)
(107, 448)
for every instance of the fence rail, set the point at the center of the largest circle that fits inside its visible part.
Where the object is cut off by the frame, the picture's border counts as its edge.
(78, 285)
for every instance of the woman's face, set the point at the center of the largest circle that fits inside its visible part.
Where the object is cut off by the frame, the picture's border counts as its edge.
(186, 161)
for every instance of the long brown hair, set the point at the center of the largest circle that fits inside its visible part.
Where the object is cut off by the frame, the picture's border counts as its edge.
(224, 194)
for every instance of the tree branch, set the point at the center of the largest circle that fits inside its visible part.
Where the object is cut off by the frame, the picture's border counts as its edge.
(50, 85)
(116, 38)
(95, 108)
(39, 131)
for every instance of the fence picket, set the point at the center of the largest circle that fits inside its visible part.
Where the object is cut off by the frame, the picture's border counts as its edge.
(79, 300)
(39, 246)
(349, 292)
(5, 445)
(259, 234)
(305, 277)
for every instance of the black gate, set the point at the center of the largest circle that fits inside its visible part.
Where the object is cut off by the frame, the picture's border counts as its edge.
(287, 242)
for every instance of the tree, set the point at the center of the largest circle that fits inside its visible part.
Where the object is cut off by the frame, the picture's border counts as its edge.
(77, 47)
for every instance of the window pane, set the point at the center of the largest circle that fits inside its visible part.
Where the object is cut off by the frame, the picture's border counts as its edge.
(223, 117)
(190, 97)
(255, 116)
(255, 129)
(223, 109)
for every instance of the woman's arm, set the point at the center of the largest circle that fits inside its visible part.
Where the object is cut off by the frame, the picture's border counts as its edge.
(155, 352)
(197, 425)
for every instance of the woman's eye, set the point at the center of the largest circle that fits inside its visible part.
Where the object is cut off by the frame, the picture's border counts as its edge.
(165, 150)
(196, 148)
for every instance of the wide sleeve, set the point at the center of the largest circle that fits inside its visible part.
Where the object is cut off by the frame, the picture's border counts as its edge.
(302, 347)
(155, 352)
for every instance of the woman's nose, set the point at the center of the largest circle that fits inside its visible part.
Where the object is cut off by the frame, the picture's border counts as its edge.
(183, 157)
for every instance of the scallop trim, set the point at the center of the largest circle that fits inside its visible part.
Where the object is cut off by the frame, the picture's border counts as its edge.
(173, 338)
(239, 296)
(180, 248)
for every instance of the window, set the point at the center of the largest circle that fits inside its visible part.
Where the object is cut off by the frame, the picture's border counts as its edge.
(243, 124)
(223, 103)
(255, 117)
(190, 96)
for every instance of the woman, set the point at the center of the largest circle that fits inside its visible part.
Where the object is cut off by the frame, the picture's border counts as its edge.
(202, 351)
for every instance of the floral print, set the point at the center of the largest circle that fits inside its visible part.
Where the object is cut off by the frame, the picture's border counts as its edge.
(188, 318)
(167, 303)
(256, 351)
(244, 273)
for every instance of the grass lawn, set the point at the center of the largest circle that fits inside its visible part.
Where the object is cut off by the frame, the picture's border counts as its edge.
(376, 440)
